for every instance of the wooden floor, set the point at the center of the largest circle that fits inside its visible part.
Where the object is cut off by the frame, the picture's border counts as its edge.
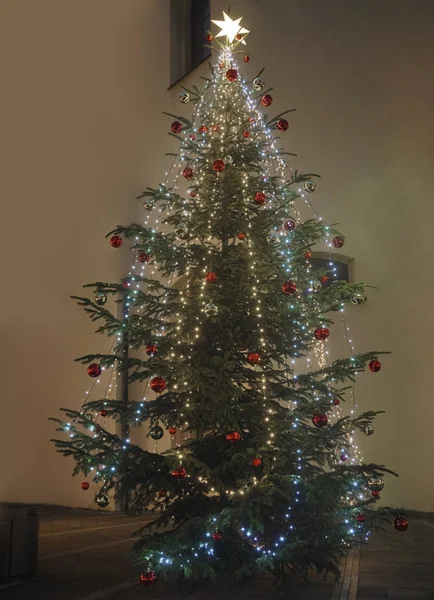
(399, 565)
(85, 556)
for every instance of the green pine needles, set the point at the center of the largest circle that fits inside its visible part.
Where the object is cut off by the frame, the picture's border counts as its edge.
(219, 314)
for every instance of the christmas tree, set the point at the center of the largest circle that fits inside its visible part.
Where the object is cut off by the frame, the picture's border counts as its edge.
(224, 322)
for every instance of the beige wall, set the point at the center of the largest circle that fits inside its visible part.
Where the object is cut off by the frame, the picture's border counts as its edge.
(83, 85)
(81, 135)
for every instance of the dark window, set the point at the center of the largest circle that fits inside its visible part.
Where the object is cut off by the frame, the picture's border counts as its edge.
(339, 270)
(200, 19)
(190, 22)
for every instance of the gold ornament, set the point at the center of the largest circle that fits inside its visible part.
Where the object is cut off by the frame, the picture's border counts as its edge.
(102, 500)
(309, 187)
(375, 484)
(100, 298)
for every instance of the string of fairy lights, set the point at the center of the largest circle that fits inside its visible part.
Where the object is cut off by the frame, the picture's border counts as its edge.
(132, 285)
(321, 358)
(322, 355)
(213, 103)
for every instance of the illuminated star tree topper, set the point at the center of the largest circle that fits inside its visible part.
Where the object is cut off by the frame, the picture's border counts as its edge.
(230, 29)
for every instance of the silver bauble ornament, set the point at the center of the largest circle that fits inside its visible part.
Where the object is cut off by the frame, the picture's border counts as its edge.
(357, 298)
(102, 500)
(156, 432)
(211, 310)
(258, 84)
(309, 187)
(274, 239)
(369, 430)
(375, 484)
(148, 204)
(100, 298)
(184, 97)
(316, 285)
(228, 159)
(182, 232)
(284, 162)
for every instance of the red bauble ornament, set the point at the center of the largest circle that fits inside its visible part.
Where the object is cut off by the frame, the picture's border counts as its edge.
(158, 384)
(151, 349)
(266, 100)
(218, 165)
(361, 518)
(172, 430)
(320, 420)
(143, 257)
(400, 523)
(215, 128)
(375, 494)
(149, 578)
(217, 536)
(324, 278)
(336, 401)
(161, 493)
(94, 370)
(241, 236)
(239, 37)
(375, 366)
(256, 462)
(192, 136)
(103, 412)
(210, 277)
(126, 283)
(85, 485)
(253, 358)
(233, 436)
(343, 457)
(308, 255)
(176, 127)
(289, 288)
(246, 58)
(192, 194)
(289, 225)
(209, 38)
(322, 333)
(116, 241)
(260, 198)
(180, 473)
(282, 124)
(231, 74)
(203, 129)
(246, 134)
(188, 173)
(338, 241)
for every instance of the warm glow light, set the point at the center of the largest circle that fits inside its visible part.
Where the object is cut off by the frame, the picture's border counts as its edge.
(230, 28)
